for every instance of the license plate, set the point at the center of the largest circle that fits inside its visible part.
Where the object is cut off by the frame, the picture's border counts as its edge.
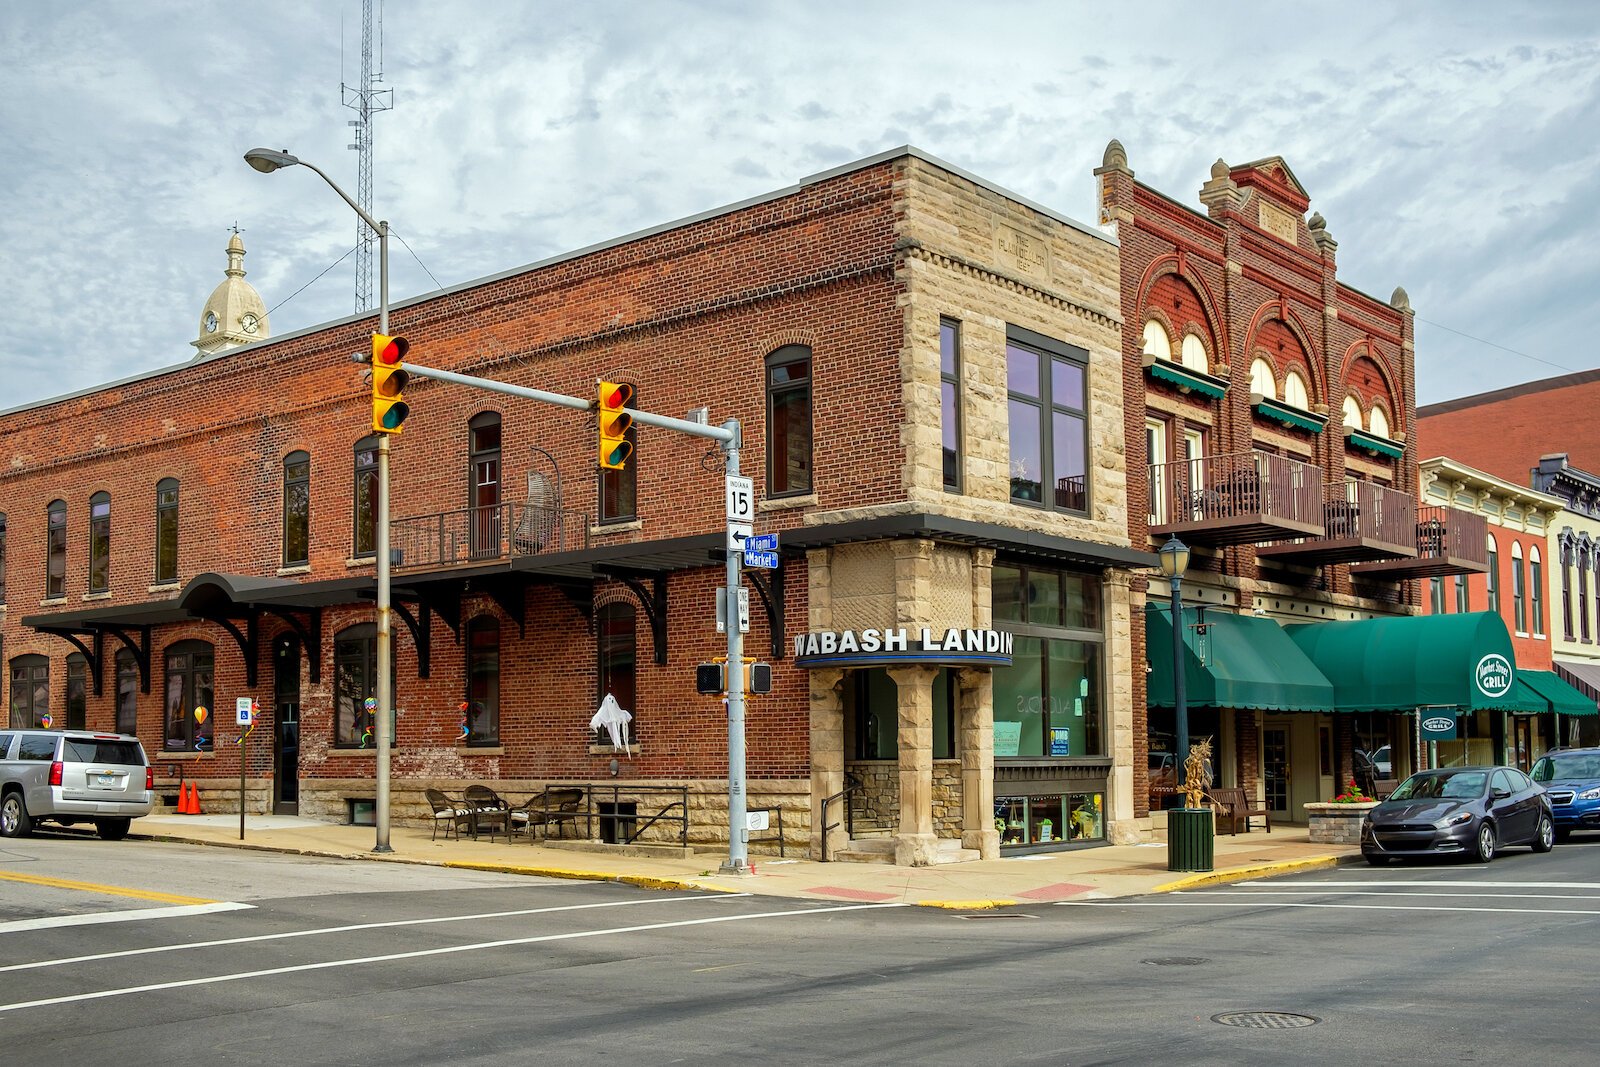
(107, 779)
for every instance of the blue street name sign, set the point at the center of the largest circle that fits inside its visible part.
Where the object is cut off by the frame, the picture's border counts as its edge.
(761, 543)
(768, 560)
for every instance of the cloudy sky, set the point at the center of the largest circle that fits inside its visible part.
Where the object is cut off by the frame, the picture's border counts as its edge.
(1445, 143)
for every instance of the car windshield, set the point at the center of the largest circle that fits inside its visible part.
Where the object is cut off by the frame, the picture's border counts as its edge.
(1574, 765)
(1457, 785)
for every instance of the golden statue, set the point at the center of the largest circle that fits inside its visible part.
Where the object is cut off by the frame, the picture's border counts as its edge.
(1195, 779)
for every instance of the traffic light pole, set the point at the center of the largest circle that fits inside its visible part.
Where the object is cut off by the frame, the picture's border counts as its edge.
(383, 720)
(728, 435)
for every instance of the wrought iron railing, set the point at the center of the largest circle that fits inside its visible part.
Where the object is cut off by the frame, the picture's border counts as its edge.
(473, 535)
(1446, 532)
(1367, 511)
(1235, 486)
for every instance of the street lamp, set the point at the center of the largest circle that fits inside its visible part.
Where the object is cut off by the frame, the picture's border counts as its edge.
(266, 161)
(1174, 556)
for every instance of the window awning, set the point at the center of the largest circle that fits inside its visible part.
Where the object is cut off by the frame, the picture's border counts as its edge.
(1240, 661)
(1582, 676)
(1406, 662)
(1560, 697)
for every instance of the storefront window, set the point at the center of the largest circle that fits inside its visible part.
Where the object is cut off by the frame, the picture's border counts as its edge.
(1049, 819)
(1047, 703)
(872, 707)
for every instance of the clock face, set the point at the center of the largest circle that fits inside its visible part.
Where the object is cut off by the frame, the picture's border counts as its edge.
(211, 322)
(250, 323)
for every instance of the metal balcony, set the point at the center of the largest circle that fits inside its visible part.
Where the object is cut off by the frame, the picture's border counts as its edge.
(1361, 521)
(1449, 541)
(1235, 499)
(485, 535)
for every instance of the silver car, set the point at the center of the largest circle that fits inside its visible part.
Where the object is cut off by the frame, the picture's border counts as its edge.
(72, 776)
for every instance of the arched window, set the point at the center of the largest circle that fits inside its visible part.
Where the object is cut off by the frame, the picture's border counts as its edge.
(619, 489)
(190, 699)
(100, 542)
(1519, 589)
(1294, 391)
(1494, 577)
(166, 530)
(55, 578)
(1536, 590)
(127, 692)
(483, 682)
(77, 702)
(1352, 412)
(1194, 353)
(364, 510)
(355, 673)
(1262, 380)
(1156, 341)
(30, 691)
(789, 458)
(483, 482)
(618, 661)
(296, 509)
(1378, 422)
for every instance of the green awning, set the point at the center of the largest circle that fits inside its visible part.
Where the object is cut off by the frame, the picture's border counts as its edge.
(1560, 697)
(1240, 661)
(1402, 663)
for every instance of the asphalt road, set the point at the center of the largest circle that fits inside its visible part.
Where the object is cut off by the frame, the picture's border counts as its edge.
(331, 962)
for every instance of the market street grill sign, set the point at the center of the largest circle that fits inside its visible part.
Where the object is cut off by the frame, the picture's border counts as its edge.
(1493, 675)
(874, 648)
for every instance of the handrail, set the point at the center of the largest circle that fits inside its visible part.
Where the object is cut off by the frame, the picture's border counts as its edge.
(779, 810)
(852, 786)
(618, 791)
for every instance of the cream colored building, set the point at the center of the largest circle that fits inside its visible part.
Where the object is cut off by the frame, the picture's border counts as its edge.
(1574, 585)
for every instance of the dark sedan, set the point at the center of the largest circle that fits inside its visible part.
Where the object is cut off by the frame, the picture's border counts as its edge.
(1468, 811)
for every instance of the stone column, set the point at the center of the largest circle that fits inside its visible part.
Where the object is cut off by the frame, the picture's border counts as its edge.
(827, 758)
(1121, 808)
(975, 734)
(915, 845)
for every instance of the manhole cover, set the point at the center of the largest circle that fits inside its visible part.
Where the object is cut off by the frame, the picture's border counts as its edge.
(1176, 961)
(1265, 1020)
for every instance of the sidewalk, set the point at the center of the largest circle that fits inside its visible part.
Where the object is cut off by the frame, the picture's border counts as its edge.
(1110, 871)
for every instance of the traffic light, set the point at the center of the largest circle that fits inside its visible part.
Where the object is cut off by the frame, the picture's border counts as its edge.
(389, 407)
(614, 425)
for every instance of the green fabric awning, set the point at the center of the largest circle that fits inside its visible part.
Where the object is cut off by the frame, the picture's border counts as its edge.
(1406, 662)
(1554, 691)
(1240, 661)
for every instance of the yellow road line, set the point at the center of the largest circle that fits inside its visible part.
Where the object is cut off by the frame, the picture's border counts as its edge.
(103, 890)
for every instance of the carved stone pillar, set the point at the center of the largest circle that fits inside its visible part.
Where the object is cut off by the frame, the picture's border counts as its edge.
(915, 845)
(975, 730)
(827, 758)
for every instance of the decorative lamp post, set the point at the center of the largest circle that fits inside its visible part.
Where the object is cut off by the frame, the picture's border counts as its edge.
(1174, 556)
(266, 161)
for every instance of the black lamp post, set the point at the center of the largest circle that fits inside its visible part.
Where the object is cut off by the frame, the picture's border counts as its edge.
(1174, 561)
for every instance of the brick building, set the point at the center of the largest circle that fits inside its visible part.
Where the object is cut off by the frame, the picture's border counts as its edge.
(1505, 431)
(1273, 406)
(926, 371)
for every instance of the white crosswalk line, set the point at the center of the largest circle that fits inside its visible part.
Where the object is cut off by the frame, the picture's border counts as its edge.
(1454, 884)
(51, 922)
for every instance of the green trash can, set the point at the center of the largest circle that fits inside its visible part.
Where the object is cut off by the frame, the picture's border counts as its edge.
(1191, 840)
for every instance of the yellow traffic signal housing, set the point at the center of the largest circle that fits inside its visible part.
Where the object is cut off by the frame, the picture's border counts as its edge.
(615, 422)
(389, 376)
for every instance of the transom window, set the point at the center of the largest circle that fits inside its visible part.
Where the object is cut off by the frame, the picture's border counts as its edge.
(1294, 391)
(1156, 341)
(1352, 412)
(1378, 422)
(1046, 383)
(1194, 353)
(1262, 380)
(789, 458)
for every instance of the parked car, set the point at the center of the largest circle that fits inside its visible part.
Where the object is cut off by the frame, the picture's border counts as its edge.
(73, 776)
(1571, 778)
(1470, 811)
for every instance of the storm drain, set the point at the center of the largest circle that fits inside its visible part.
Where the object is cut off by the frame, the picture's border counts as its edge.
(1176, 961)
(1265, 1020)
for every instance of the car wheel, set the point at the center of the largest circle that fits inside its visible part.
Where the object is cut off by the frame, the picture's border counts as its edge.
(1483, 847)
(14, 821)
(112, 829)
(1375, 859)
(1544, 838)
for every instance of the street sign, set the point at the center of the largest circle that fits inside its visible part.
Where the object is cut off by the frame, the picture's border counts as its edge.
(244, 710)
(741, 499)
(738, 534)
(761, 543)
(757, 820)
(722, 610)
(769, 560)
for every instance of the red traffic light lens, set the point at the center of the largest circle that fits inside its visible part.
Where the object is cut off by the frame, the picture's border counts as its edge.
(617, 396)
(392, 350)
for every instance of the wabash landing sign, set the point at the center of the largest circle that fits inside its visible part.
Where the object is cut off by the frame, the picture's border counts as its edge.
(870, 648)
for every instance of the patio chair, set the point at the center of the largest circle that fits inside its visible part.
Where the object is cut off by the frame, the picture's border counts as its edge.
(488, 811)
(449, 813)
(553, 807)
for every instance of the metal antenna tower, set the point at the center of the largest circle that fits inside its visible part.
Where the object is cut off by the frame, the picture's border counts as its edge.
(366, 99)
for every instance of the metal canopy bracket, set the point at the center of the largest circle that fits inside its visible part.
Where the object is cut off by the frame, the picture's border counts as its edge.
(770, 588)
(309, 630)
(421, 627)
(654, 602)
(248, 642)
(141, 652)
(92, 655)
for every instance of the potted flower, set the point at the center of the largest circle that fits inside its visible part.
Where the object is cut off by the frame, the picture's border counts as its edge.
(1338, 821)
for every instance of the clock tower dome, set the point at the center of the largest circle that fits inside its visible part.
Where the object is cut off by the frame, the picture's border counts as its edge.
(234, 314)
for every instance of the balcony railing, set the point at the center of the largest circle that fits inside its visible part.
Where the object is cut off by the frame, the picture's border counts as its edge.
(1449, 541)
(1237, 498)
(1361, 521)
(486, 534)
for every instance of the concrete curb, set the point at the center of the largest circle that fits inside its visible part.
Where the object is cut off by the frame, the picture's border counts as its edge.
(1259, 870)
(966, 905)
(643, 881)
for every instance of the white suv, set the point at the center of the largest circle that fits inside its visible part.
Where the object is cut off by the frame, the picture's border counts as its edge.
(72, 776)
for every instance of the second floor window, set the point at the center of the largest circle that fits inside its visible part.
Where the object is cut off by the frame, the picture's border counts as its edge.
(100, 543)
(1583, 592)
(950, 401)
(1566, 590)
(789, 421)
(167, 530)
(619, 490)
(365, 500)
(482, 725)
(483, 483)
(1046, 383)
(190, 699)
(296, 509)
(1493, 578)
(30, 692)
(55, 579)
(1519, 589)
(1536, 590)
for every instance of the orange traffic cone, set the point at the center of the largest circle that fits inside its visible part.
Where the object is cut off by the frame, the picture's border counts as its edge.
(194, 800)
(183, 798)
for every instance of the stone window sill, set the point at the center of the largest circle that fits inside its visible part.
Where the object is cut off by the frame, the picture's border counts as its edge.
(786, 503)
(480, 750)
(299, 568)
(600, 529)
(87, 597)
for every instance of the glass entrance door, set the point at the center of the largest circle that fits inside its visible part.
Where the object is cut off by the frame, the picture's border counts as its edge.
(1275, 769)
(286, 725)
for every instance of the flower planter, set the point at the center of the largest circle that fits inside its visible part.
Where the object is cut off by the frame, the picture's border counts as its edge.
(1337, 824)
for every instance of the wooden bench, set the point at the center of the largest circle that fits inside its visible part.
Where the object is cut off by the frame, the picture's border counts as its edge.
(1232, 807)
(1382, 787)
